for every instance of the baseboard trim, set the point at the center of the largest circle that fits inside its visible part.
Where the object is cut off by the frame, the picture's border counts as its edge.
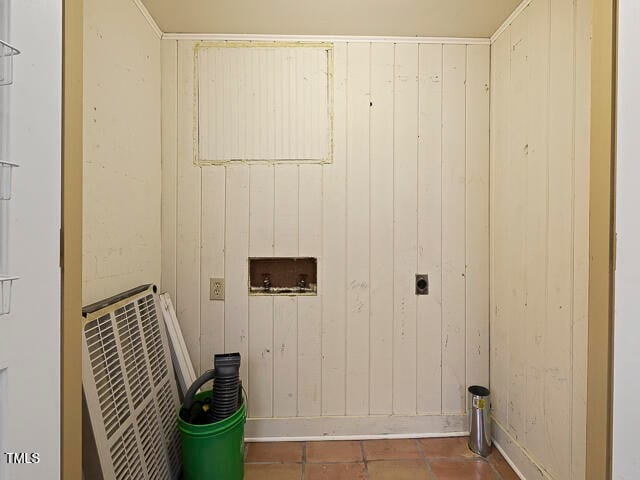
(398, 436)
(509, 461)
(354, 428)
(516, 456)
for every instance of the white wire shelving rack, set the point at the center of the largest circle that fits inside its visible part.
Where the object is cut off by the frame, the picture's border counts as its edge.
(7, 54)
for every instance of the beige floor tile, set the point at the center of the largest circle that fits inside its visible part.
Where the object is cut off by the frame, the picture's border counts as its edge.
(285, 452)
(273, 471)
(335, 451)
(334, 471)
(462, 470)
(447, 459)
(391, 449)
(446, 447)
(398, 470)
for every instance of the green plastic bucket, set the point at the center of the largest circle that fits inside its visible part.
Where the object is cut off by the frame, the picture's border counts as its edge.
(214, 451)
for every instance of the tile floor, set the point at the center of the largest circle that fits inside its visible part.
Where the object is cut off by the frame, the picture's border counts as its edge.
(419, 459)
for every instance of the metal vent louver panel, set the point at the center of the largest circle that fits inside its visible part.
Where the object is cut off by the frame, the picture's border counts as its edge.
(169, 430)
(126, 456)
(107, 373)
(130, 388)
(153, 339)
(151, 438)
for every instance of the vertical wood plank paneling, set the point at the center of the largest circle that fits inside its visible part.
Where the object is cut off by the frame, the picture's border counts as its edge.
(429, 308)
(236, 311)
(285, 371)
(548, 214)
(373, 218)
(453, 235)
(477, 222)
(261, 241)
(318, 106)
(272, 92)
(516, 214)
(285, 321)
(217, 77)
(583, 17)
(381, 228)
(261, 225)
(169, 199)
(206, 67)
(499, 157)
(294, 118)
(536, 225)
(226, 72)
(261, 350)
(358, 95)
(212, 264)
(334, 250)
(237, 77)
(262, 121)
(310, 308)
(405, 228)
(279, 119)
(560, 271)
(188, 212)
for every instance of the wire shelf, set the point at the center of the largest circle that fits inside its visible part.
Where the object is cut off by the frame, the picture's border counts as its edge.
(5, 294)
(6, 169)
(7, 52)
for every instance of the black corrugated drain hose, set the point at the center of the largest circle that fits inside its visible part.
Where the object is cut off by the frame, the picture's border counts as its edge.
(226, 395)
(226, 385)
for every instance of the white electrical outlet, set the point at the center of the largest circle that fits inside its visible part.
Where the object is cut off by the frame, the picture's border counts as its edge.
(216, 289)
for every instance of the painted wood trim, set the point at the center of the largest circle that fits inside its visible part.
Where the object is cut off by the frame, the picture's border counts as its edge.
(188, 217)
(507, 23)
(330, 438)
(169, 164)
(323, 38)
(148, 17)
(601, 240)
(71, 261)
(582, 175)
(519, 459)
(382, 426)
(508, 460)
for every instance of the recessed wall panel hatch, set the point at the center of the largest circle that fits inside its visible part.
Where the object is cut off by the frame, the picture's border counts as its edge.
(130, 389)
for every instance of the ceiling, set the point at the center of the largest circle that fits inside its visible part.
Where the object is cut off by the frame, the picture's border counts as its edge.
(423, 18)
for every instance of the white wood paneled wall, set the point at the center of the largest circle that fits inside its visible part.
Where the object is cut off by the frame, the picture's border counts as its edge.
(407, 193)
(261, 101)
(121, 151)
(539, 236)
